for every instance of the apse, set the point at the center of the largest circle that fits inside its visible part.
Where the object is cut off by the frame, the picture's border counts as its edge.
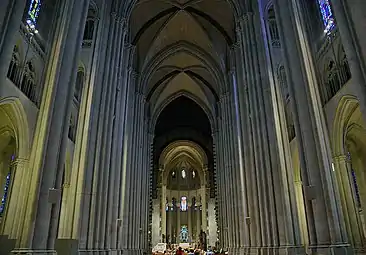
(182, 119)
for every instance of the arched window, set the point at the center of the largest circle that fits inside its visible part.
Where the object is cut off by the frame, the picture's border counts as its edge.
(282, 80)
(72, 128)
(28, 86)
(183, 204)
(290, 123)
(332, 79)
(89, 29)
(355, 184)
(184, 174)
(273, 29)
(345, 70)
(327, 15)
(33, 12)
(14, 66)
(79, 85)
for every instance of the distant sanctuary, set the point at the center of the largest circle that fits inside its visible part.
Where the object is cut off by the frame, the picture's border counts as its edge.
(237, 124)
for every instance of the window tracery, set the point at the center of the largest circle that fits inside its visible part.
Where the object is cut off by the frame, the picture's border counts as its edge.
(273, 29)
(332, 79)
(14, 66)
(89, 28)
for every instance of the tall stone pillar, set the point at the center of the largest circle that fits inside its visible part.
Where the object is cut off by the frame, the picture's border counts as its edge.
(11, 13)
(204, 208)
(198, 224)
(178, 223)
(127, 184)
(324, 215)
(163, 212)
(170, 220)
(243, 190)
(49, 146)
(352, 218)
(189, 220)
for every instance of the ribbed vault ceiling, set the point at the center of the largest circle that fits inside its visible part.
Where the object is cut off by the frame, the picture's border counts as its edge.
(182, 45)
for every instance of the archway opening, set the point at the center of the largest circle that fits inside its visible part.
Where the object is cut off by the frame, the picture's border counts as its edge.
(349, 148)
(8, 151)
(183, 183)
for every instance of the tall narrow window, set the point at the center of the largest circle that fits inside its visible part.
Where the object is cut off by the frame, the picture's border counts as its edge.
(184, 174)
(6, 191)
(33, 13)
(281, 76)
(354, 181)
(327, 15)
(89, 29)
(79, 85)
(166, 205)
(273, 29)
(183, 204)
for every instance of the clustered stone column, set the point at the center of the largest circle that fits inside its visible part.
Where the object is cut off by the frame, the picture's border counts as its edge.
(326, 225)
(163, 212)
(266, 209)
(137, 172)
(96, 197)
(47, 159)
(227, 172)
(353, 221)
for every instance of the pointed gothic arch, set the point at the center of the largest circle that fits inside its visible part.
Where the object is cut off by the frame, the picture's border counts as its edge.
(14, 110)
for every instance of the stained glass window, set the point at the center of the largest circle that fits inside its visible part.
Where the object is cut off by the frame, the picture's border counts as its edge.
(33, 12)
(6, 190)
(355, 184)
(183, 204)
(327, 15)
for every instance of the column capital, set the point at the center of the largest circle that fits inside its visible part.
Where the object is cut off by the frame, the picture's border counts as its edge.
(19, 161)
(235, 45)
(224, 95)
(245, 17)
(340, 158)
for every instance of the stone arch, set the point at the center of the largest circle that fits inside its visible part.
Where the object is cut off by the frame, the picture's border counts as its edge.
(347, 105)
(14, 110)
(14, 166)
(348, 177)
(176, 95)
(190, 49)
